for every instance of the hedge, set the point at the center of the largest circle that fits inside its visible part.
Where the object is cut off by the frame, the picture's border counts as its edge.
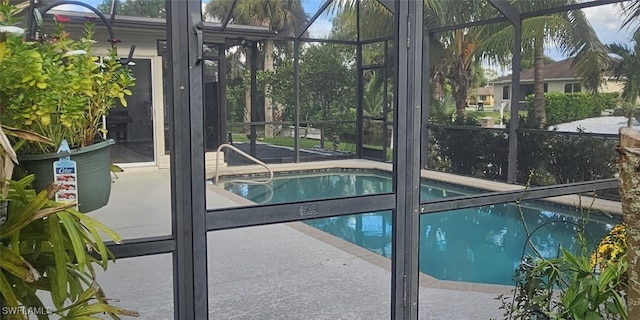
(567, 107)
(552, 158)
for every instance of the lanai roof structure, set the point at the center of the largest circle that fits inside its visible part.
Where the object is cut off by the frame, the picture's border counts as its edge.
(406, 64)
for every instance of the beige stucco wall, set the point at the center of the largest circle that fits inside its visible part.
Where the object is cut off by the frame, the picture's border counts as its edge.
(610, 85)
(497, 95)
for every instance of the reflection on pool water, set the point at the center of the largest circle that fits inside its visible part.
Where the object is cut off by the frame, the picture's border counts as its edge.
(483, 244)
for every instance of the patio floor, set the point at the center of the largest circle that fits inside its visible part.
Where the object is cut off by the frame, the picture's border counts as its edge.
(283, 271)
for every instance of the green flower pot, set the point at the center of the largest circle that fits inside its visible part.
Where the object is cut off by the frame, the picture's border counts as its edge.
(93, 174)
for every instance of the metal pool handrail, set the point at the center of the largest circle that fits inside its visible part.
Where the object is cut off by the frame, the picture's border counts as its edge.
(242, 153)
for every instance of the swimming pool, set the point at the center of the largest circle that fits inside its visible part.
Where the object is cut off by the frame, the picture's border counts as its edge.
(482, 245)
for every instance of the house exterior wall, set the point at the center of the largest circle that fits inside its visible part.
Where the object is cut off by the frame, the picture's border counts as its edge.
(146, 48)
(557, 86)
(499, 99)
(488, 100)
(145, 33)
(612, 86)
(552, 86)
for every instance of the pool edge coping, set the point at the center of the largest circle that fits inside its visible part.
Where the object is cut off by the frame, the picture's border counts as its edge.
(607, 206)
(383, 262)
(374, 258)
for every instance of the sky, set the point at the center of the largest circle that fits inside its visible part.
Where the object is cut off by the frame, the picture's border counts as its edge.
(320, 29)
(606, 21)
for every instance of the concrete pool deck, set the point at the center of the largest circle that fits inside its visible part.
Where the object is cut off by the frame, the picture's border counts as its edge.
(282, 271)
(610, 207)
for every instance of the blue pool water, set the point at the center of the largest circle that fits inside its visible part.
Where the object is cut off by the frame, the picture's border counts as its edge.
(482, 245)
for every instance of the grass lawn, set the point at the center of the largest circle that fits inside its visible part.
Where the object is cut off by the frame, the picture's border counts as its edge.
(495, 114)
(289, 142)
(307, 143)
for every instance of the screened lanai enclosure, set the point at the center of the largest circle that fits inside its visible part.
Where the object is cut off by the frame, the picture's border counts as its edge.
(356, 159)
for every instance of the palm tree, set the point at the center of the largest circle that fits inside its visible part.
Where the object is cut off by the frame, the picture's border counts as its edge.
(374, 95)
(631, 10)
(626, 68)
(455, 53)
(284, 16)
(570, 31)
(376, 21)
(628, 172)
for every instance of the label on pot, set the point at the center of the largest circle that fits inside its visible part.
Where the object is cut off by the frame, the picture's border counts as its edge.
(65, 175)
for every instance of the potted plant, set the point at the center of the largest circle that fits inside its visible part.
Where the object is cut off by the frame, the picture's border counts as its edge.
(57, 87)
(48, 246)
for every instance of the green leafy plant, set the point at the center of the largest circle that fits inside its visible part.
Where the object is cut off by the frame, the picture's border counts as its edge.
(573, 285)
(48, 246)
(56, 86)
(44, 246)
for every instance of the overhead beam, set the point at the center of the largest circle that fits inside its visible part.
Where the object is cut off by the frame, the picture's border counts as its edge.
(263, 215)
(467, 25)
(507, 9)
(314, 18)
(575, 6)
(524, 15)
(484, 199)
(226, 20)
(388, 4)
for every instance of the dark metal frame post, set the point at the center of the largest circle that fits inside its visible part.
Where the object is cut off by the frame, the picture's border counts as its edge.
(222, 83)
(360, 89)
(406, 218)
(515, 17)
(385, 102)
(254, 97)
(187, 161)
(512, 169)
(296, 93)
(426, 100)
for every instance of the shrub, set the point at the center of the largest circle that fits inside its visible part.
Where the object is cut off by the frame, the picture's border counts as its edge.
(611, 248)
(567, 107)
(570, 286)
(553, 158)
(470, 152)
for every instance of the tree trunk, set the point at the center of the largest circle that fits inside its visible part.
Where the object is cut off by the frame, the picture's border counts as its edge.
(538, 82)
(278, 113)
(629, 187)
(268, 106)
(325, 112)
(246, 116)
(437, 86)
(459, 90)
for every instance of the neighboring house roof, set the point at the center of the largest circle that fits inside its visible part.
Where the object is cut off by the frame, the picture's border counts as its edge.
(560, 70)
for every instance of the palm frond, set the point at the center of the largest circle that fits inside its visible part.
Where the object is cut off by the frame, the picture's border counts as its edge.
(631, 11)
(591, 55)
(625, 65)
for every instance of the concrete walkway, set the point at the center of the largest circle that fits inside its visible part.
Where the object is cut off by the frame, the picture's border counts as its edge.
(282, 271)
